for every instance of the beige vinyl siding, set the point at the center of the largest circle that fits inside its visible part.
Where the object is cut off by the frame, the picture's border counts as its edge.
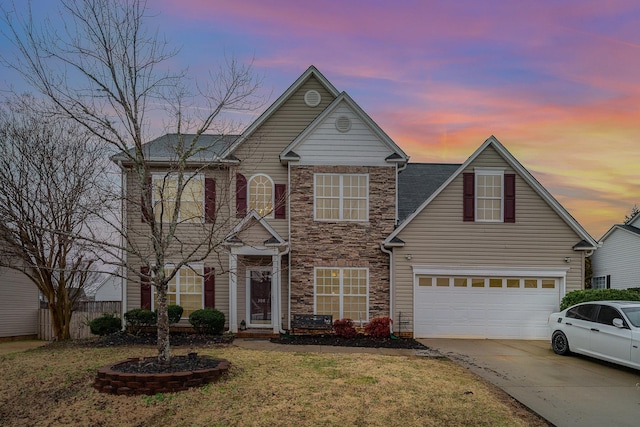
(18, 304)
(438, 237)
(139, 231)
(328, 146)
(261, 152)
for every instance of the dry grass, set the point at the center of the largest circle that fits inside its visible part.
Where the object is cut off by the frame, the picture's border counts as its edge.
(52, 386)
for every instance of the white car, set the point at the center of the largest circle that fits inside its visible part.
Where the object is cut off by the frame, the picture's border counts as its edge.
(607, 330)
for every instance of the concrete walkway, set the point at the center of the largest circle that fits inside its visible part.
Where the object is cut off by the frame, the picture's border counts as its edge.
(565, 390)
(8, 347)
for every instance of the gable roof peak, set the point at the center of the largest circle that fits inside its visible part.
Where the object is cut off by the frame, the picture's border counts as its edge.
(397, 156)
(311, 71)
(523, 173)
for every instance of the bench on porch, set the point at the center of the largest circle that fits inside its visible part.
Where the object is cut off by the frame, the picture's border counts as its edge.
(312, 322)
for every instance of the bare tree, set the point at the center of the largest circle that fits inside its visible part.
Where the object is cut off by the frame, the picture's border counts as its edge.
(632, 214)
(48, 191)
(107, 72)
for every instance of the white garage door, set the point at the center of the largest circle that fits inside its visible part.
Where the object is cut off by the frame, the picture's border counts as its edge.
(484, 306)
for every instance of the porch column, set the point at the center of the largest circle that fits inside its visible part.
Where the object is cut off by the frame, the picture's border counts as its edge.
(233, 292)
(275, 293)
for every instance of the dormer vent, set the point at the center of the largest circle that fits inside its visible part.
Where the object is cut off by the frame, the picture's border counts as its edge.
(343, 124)
(312, 98)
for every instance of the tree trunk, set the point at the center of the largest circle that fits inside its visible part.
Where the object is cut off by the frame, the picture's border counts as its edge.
(163, 325)
(60, 320)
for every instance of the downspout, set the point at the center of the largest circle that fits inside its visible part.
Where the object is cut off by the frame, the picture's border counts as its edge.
(123, 221)
(390, 252)
(279, 301)
(398, 170)
(289, 246)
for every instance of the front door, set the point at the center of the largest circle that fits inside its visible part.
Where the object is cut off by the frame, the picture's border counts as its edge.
(259, 298)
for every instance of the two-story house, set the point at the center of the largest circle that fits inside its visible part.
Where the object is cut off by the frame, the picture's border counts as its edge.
(329, 217)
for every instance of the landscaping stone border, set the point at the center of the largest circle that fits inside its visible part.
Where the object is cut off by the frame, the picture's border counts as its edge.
(111, 381)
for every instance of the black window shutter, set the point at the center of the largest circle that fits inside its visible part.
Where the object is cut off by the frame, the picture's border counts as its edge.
(209, 200)
(146, 188)
(145, 288)
(509, 197)
(280, 211)
(241, 195)
(468, 190)
(209, 287)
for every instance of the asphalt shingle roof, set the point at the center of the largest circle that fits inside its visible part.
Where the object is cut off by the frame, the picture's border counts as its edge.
(163, 148)
(630, 228)
(419, 181)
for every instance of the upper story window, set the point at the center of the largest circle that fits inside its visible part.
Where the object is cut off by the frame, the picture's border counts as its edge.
(341, 197)
(165, 198)
(261, 195)
(489, 195)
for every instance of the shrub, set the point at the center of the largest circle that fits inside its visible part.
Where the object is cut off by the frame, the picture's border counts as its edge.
(344, 328)
(139, 318)
(174, 312)
(379, 327)
(587, 295)
(106, 324)
(207, 321)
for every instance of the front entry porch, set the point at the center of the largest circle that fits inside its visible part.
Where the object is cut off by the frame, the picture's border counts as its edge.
(256, 254)
(255, 291)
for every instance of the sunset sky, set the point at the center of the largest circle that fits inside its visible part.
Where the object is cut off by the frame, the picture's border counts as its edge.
(557, 82)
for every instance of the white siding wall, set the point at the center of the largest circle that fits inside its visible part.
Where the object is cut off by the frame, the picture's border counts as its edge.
(110, 290)
(18, 304)
(618, 257)
(328, 146)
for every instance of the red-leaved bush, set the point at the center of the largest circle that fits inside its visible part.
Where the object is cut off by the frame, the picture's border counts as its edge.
(344, 328)
(379, 327)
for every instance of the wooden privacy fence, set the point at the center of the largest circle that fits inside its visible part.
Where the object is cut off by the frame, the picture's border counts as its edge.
(85, 312)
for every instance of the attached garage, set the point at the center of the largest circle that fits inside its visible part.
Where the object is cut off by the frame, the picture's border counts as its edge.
(511, 304)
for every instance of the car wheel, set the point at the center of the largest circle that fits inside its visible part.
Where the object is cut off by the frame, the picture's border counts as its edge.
(559, 343)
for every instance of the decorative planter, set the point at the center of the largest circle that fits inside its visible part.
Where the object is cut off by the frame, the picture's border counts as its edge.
(109, 380)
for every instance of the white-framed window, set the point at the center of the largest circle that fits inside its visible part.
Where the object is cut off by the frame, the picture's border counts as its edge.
(342, 292)
(599, 282)
(185, 289)
(489, 195)
(341, 197)
(165, 192)
(260, 197)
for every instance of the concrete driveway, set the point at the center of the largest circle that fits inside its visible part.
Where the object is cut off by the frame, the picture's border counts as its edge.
(567, 391)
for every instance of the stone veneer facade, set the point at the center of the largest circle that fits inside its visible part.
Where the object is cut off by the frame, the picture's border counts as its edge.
(341, 244)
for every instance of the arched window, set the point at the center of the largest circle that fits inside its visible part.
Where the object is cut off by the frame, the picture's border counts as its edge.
(261, 195)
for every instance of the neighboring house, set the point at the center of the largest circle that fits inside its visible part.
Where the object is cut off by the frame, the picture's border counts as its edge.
(328, 217)
(109, 289)
(615, 264)
(19, 304)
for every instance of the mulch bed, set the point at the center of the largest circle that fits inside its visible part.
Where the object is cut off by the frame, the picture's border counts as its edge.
(358, 341)
(188, 363)
(176, 340)
(196, 340)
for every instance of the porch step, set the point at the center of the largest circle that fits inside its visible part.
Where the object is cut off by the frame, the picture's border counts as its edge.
(257, 333)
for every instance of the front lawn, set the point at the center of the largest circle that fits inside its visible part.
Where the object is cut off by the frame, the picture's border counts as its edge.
(52, 386)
